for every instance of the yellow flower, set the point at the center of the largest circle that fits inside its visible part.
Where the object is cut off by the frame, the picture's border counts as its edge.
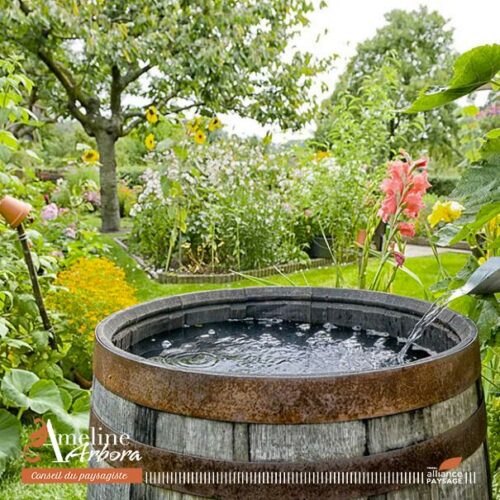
(319, 155)
(194, 124)
(90, 156)
(200, 137)
(494, 224)
(481, 260)
(445, 212)
(152, 114)
(150, 142)
(214, 124)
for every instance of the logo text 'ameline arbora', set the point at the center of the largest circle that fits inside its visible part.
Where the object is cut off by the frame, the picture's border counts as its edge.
(85, 446)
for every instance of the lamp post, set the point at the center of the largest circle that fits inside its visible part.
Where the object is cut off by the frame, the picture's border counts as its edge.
(15, 212)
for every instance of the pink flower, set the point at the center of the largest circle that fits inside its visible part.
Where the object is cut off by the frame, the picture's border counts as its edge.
(407, 229)
(413, 204)
(421, 163)
(92, 197)
(404, 188)
(420, 183)
(399, 258)
(50, 212)
(70, 232)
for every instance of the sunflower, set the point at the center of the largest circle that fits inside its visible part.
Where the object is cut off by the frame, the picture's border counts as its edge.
(200, 137)
(214, 124)
(194, 124)
(90, 156)
(150, 142)
(320, 155)
(152, 114)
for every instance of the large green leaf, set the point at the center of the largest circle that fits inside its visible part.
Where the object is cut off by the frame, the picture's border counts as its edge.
(15, 387)
(44, 396)
(472, 69)
(10, 438)
(76, 420)
(479, 185)
(487, 317)
(467, 225)
(23, 389)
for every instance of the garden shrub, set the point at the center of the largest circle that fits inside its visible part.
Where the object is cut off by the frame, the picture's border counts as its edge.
(127, 198)
(131, 175)
(88, 291)
(442, 185)
(337, 200)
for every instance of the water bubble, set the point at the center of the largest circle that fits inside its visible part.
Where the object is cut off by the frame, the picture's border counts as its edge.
(329, 326)
(198, 359)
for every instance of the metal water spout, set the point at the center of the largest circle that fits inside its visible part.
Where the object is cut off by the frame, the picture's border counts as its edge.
(484, 280)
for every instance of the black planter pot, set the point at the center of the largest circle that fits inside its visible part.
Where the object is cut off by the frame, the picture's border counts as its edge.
(319, 247)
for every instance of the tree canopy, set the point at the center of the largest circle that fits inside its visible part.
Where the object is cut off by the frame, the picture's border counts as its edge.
(417, 45)
(95, 61)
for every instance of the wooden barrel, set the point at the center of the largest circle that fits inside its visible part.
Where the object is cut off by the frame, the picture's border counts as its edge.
(382, 434)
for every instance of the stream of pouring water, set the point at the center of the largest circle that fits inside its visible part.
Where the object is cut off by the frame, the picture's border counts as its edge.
(428, 318)
(484, 280)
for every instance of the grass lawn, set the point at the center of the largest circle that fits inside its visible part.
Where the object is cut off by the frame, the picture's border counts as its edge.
(11, 487)
(425, 267)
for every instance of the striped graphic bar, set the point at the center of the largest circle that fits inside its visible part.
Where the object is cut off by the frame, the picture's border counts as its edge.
(289, 477)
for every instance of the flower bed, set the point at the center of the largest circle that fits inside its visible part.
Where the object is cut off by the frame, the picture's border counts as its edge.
(236, 205)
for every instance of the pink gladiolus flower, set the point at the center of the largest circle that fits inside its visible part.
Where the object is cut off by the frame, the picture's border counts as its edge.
(404, 188)
(407, 229)
(50, 212)
(399, 258)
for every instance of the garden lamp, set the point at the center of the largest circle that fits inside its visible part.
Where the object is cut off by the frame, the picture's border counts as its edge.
(15, 212)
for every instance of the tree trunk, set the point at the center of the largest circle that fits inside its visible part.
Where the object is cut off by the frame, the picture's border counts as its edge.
(110, 208)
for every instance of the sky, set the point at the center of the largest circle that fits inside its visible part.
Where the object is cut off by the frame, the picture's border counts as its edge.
(352, 21)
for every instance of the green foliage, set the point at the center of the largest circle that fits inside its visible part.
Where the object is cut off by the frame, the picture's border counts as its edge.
(66, 404)
(417, 46)
(359, 129)
(478, 189)
(222, 205)
(79, 190)
(32, 379)
(10, 438)
(472, 69)
(57, 144)
(442, 185)
(191, 56)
